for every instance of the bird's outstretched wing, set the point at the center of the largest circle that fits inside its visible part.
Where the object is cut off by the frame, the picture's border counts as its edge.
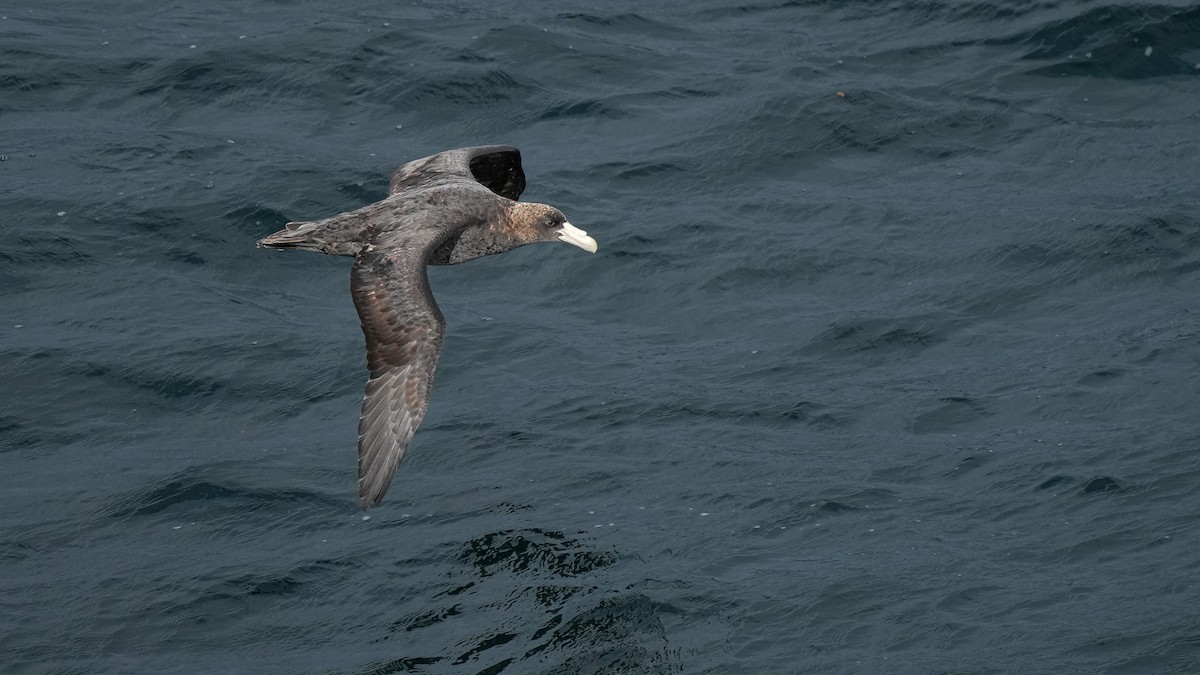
(404, 329)
(496, 167)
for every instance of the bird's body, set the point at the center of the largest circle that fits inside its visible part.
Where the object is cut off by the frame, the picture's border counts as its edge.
(443, 209)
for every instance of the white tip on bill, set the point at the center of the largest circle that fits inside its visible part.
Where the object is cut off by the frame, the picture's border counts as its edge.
(577, 237)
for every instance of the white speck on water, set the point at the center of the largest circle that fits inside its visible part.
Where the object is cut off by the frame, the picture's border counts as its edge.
(230, 141)
(191, 46)
(177, 527)
(241, 37)
(62, 213)
(399, 126)
(1149, 51)
(591, 513)
(758, 527)
(366, 517)
(753, 351)
(1089, 55)
(386, 24)
(19, 325)
(704, 513)
(404, 515)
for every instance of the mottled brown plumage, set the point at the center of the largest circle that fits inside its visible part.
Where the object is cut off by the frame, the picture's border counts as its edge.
(443, 209)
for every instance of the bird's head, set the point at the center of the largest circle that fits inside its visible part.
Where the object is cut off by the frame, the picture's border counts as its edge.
(546, 223)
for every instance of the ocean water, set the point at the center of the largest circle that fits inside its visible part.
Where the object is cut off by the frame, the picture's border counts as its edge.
(889, 360)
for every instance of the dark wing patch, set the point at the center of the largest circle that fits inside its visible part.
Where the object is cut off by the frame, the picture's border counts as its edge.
(496, 167)
(500, 172)
(403, 328)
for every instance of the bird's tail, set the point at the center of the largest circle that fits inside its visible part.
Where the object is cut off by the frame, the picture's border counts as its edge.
(295, 235)
(342, 234)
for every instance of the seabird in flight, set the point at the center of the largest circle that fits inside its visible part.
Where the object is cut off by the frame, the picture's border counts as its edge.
(444, 209)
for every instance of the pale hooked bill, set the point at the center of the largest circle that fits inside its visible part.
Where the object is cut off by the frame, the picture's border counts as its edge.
(577, 237)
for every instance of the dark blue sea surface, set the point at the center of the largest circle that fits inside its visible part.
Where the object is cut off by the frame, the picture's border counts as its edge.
(889, 360)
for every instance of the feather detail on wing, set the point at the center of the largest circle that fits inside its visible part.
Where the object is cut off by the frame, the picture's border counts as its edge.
(403, 328)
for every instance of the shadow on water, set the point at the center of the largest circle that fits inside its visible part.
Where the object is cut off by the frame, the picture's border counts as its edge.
(548, 612)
